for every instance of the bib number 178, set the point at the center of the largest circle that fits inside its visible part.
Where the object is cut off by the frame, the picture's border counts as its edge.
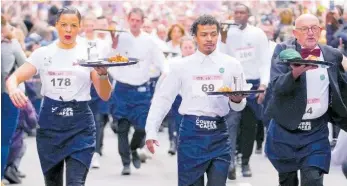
(61, 82)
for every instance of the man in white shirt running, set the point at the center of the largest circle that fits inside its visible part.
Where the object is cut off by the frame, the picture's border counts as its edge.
(131, 96)
(249, 45)
(203, 140)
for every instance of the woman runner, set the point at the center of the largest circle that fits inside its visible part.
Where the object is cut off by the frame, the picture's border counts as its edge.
(66, 130)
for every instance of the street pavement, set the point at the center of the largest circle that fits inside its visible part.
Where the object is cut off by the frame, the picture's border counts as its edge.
(161, 170)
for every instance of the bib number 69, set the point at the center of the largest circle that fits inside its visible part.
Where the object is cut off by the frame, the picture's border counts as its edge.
(61, 81)
(207, 87)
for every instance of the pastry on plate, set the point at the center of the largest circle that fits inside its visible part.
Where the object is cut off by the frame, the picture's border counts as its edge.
(118, 59)
(225, 89)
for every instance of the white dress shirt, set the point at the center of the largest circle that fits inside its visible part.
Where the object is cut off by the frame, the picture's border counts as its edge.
(317, 83)
(172, 48)
(251, 47)
(141, 47)
(59, 73)
(154, 70)
(167, 64)
(190, 77)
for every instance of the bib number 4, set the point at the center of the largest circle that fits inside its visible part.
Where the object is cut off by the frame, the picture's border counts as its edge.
(309, 110)
(61, 82)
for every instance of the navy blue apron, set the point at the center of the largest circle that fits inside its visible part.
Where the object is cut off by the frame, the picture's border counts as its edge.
(96, 104)
(201, 140)
(9, 120)
(66, 129)
(266, 118)
(290, 151)
(152, 83)
(252, 100)
(131, 103)
(173, 113)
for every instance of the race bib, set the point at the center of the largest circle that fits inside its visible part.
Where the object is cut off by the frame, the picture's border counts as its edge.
(246, 53)
(60, 82)
(313, 106)
(206, 83)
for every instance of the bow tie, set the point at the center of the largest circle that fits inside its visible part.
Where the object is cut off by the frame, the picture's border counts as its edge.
(306, 52)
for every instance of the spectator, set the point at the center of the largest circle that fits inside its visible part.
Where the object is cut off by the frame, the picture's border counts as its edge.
(332, 25)
(285, 28)
(176, 32)
(12, 56)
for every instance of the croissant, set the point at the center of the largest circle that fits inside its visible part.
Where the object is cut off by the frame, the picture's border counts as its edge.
(225, 89)
(118, 59)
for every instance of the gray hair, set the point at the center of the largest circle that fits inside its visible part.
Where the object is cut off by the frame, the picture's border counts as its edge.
(187, 38)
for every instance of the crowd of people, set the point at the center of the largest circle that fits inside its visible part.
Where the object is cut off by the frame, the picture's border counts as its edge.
(185, 49)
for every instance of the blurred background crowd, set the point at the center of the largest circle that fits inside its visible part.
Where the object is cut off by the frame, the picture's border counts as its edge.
(33, 21)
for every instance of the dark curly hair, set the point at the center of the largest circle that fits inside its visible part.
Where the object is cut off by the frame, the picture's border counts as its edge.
(204, 20)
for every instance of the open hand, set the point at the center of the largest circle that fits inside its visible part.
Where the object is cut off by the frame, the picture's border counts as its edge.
(298, 70)
(18, 98)
(261, 96)
(150, 145)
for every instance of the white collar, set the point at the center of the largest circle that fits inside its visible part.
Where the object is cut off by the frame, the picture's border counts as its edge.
(202, 57)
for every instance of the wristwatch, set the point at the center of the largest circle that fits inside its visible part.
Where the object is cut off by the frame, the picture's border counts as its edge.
(103, 76)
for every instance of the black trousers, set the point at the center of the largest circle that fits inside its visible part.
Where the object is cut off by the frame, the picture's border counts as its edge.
(260, 134)
(76, 173)
(123, 140)
(215, 174)
(100, 122)
(311, 176)
(247, 134)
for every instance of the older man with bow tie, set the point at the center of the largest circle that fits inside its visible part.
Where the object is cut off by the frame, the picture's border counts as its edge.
(303, 100)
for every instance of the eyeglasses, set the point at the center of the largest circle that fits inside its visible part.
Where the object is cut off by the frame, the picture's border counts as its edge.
(314, 29)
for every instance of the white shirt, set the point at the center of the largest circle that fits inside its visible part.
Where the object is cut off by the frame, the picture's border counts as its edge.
(59, 73)
(141, 47)
(272, 46)
(249, 46)
(339, 154)
(161, 44)
(317, 83)
(166, 69)
(190, 76)
(172, 48)
(154, 70)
